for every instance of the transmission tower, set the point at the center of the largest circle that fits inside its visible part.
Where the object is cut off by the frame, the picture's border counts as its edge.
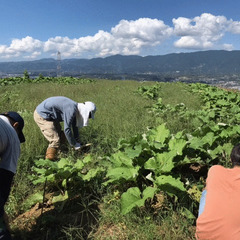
(58, 64)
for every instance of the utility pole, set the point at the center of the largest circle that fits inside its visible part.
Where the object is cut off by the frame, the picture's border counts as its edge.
(58, 64)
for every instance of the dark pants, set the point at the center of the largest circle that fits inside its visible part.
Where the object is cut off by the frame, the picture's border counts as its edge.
(6, 178)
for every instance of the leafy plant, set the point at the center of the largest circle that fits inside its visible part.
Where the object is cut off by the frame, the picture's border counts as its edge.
(63, 174)
(156, 159)
(41, 79)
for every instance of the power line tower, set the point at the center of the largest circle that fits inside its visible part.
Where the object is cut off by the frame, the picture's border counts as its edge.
(58, 64)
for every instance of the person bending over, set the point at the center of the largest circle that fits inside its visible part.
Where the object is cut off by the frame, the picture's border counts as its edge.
(54, 110)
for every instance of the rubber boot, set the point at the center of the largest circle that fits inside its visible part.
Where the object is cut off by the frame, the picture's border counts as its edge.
(51, 153)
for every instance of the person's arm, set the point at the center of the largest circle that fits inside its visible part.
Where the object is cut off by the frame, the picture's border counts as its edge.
(68, 119)
(76, 134)
(75, 130)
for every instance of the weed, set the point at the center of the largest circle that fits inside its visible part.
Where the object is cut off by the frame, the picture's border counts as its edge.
(121, 114)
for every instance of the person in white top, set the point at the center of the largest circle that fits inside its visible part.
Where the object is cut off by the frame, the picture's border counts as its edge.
(11, 135)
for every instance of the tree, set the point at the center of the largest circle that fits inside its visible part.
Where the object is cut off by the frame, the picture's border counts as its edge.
(26, 75)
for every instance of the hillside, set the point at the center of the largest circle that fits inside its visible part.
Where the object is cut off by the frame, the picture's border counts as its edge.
(217, 62)
(141, 179)
(86, 208)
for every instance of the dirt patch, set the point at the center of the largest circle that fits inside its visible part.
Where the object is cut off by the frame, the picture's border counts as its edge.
(73, 217)
(27, 220)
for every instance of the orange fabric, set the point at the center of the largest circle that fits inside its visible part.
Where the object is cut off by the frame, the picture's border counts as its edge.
(220, 219)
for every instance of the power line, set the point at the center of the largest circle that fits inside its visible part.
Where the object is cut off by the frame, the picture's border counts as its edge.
(58, 64)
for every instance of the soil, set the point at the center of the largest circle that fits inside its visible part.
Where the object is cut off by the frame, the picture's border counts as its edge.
(48, 222)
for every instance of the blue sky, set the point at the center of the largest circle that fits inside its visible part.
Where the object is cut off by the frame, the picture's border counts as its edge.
(35, 29)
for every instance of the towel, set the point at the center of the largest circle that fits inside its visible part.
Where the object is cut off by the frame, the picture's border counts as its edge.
(82, 116)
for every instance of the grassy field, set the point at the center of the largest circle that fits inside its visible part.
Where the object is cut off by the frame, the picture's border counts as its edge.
(93, 212)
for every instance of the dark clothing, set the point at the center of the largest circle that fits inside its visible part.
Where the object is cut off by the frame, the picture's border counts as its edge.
(6, 178)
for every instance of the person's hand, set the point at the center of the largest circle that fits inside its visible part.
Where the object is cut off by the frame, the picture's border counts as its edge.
(77, 146)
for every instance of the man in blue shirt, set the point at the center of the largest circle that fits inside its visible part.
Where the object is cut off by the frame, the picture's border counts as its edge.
(11, 135)
(54, 110)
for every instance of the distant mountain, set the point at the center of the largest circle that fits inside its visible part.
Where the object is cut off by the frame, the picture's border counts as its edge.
(195, 63)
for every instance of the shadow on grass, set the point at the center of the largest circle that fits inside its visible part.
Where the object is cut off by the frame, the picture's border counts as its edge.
(71, 219)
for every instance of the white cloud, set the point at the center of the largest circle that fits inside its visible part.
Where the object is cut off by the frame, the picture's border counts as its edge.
(200, 32)
(228, 47)
(204, 32)
(58, 43)
(130, 37)
(19, 47)
(188, 42)
(27, 44)
(34, 55)
(234, 27)
(3, 49)
(147, 31)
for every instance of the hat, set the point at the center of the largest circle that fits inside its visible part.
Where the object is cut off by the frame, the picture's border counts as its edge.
(85, 110)
(17, 118)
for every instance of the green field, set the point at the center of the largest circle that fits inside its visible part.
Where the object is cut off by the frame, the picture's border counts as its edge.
(152, 144)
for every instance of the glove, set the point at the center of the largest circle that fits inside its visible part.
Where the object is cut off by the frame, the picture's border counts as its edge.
(77, 146)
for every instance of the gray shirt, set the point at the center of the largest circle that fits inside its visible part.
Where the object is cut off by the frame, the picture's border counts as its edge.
(9, 146)
(61, 109)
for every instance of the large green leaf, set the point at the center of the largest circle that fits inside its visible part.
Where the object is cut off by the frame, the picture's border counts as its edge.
(132, 198)
(51, 178)
(39, 180)
(39, 170)
(196, 143)
(187, 161)
(46, 163)
(177, 145)
(92, 173)
(209, 139)
(161, 163)
(170, 185)
(120, 159)
(60, 197)
(160, 134)
(63, 173)
(32, 200)
(236, 129)
(133, 152)
(227, 148)
(127, 173)
(222, 102)
(87, 159)
(79, 164)
(62, 162)
(229, 132)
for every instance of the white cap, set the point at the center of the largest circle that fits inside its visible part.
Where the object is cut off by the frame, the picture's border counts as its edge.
(84, 110)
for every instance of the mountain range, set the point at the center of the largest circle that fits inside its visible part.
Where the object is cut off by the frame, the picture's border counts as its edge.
(214, 62)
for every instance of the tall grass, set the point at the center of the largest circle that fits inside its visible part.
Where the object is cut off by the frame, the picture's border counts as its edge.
(142, 224)
(121, 113)
(176, 93)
